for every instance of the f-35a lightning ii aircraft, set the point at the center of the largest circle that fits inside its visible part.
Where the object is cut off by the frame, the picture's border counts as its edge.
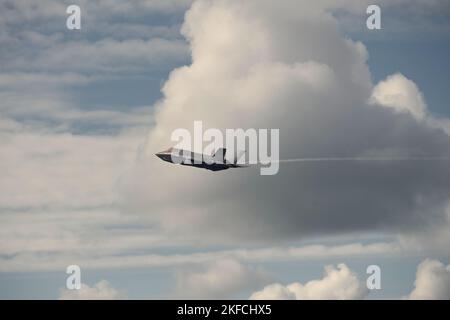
(214, 162)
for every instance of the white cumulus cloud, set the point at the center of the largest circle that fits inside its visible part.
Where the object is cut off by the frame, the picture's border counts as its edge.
(432, 281)
(289, 68)
(338, 283)
(102, 290)
(401, 94)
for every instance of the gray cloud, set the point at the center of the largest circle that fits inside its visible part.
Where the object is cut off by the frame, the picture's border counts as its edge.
(55, 251)
(100, 291)
(221, 279)
(288, 69)
(48, 46)
(48, 73)
(253, 66)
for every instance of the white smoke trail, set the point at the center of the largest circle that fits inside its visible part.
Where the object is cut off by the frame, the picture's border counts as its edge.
(356, 159)
(365, 159)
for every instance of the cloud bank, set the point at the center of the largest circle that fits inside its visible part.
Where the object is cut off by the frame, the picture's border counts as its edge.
(67, 196)
(220, 279)
(256, 66)
(339, 283)
(102, 290)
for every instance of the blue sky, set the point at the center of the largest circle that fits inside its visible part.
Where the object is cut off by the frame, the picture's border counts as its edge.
(78, 108)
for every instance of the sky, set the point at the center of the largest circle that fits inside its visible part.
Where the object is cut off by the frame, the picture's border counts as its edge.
(82, 113)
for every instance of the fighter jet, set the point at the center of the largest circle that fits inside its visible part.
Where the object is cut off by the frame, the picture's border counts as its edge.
(215, 162)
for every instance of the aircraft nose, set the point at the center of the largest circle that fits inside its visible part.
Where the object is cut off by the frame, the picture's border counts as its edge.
(164, 155)
(159, 154)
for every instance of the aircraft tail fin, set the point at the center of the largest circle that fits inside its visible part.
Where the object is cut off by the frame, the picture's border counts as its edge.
(220, 154)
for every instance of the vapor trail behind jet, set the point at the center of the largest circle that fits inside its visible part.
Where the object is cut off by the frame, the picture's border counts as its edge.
(364, 159)
(356, 159)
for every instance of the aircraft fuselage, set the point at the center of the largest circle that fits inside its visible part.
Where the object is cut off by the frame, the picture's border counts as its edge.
(214, 162)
